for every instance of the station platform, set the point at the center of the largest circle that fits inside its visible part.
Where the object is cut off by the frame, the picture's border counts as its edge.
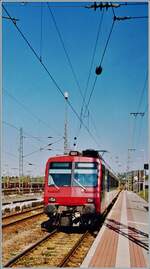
(123, 240)
(7, 199)
(16, 202)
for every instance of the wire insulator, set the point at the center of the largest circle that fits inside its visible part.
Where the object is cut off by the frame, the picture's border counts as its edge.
(98, 70)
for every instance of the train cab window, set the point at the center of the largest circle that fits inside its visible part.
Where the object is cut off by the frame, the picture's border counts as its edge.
(60, 174)
(85, 174)
(59, 165)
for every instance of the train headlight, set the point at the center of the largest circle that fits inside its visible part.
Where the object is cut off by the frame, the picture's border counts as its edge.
(90, 200)
(52, 199)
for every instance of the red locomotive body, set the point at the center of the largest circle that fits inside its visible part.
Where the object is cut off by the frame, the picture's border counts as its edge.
(75, 188)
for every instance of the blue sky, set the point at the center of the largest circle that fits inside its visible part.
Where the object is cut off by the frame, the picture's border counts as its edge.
(117, 92)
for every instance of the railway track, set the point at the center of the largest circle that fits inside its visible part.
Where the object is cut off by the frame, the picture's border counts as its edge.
(55, 249)
(26, 252)
(76, 255)
(21, 216)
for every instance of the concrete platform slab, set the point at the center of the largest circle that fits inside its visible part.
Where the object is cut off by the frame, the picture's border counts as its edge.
(123, 241)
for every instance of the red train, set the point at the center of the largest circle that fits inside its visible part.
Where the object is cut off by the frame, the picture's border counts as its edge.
(78, 188)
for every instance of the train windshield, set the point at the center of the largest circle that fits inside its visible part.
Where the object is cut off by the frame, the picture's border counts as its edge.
(60, 174)
(85, 174)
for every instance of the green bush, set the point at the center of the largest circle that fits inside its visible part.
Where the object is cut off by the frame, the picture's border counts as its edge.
(141, 194)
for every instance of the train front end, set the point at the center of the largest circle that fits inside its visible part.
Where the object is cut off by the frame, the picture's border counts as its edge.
(72, 189)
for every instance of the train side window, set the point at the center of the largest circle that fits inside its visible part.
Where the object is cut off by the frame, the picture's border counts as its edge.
(103, 179)
(108, 181)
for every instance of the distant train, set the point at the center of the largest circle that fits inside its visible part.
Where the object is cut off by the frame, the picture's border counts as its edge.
(78, 188)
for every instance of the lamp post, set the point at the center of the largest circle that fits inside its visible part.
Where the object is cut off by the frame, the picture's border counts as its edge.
(7, 177)
(30, 178)
(30, 175)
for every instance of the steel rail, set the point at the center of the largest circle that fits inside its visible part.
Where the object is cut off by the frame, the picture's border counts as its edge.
(20, 220)
(66, 258)
(26, 251)
(22, 212)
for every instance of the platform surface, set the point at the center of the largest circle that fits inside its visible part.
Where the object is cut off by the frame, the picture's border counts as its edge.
(124, 238)
(19, 197)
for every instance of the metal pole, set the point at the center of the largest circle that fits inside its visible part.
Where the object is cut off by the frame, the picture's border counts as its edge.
(144, 183)
(20, 157)
(128, 161)
(66, 125)
(132, 180)
(138, 181)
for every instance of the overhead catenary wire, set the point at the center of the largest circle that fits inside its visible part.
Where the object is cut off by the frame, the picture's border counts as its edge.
(133, 4)
(84, 124)
(113, 10)
(33, 152)
(31, 136)
(92, 61)
(124, 18)
(41, 148)
(10, 154)
(106, 45)
(142, 92)
(107, 42)
(139, 133)
(66, 52)
(41, 33)
(134, 128)
(11, 125)
(24, 4)
(105, 5)
(30, 112)
(138, 17)
(34, 52)
(91, 93)
(49, 74)
(92, 120)
(102, 58)
(65, 49)
(18, 129)
(139, 106)
(55, 6)
(105, 48)
(95, 80)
